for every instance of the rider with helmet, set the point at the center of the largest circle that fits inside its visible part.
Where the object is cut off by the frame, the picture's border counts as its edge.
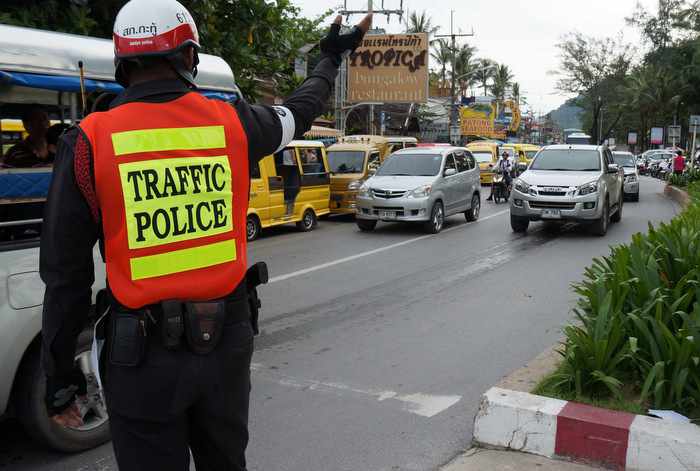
(161, 182)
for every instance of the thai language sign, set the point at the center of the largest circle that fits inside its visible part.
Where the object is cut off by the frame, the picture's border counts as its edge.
(389, 69)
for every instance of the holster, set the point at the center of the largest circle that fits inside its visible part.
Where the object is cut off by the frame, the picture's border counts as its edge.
(204, 324)
(255, 276)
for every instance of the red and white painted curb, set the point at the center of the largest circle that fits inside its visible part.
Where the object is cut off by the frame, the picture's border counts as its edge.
(555, 428)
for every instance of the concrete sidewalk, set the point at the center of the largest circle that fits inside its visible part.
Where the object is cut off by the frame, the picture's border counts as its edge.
(480, 459)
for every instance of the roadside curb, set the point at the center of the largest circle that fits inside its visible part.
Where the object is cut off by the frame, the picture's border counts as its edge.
(554, 428)
(676, 194)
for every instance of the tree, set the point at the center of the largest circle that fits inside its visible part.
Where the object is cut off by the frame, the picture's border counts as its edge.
(421, 23)
(502, 80)
(442, 53)
(464, 66)
(593, 69)
(484, 74)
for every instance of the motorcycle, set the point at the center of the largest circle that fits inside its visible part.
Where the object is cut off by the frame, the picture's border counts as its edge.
(501, 191)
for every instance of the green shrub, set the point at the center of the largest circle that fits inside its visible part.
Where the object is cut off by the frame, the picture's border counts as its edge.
(639, 313)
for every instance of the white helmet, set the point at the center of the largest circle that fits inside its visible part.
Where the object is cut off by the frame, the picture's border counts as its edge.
(154, 28)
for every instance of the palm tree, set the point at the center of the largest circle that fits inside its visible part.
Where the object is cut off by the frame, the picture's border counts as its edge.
(421, 23)
(484, 74)
(464, 65)
(515, 92)
(502, 80)
(442, 53)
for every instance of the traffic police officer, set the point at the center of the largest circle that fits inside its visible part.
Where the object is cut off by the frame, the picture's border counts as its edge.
(161, 180)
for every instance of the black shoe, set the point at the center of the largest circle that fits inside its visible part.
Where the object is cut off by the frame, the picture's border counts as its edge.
(490, 198)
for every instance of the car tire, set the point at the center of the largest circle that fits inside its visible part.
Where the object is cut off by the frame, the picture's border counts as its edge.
(472, 214)
(617, 217)
(308, 221)
(600, 227)
(253, 227)
(31, 408)
(519, 224)
(437, 219)
(366, 225)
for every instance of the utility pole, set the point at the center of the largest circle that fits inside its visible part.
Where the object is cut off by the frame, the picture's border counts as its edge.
(453, 36)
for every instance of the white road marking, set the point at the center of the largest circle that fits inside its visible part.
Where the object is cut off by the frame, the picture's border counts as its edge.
(425, 405)
(339, 261)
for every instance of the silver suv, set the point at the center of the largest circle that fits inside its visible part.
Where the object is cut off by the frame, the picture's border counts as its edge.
(422, 184)
(569, 183)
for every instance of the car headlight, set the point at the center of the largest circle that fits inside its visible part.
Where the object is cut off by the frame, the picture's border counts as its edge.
(588, 188)
(355, 185)
(420, 192)
(364, 191)
(631, 178)
(522, 186)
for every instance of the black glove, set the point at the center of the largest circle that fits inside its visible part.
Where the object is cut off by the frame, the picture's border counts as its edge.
(334, 45)
(61, 391)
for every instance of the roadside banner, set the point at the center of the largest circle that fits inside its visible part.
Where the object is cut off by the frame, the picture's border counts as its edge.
(389, 68)
(657, 136)
(674, 132)
(489, 118)
(632, 139)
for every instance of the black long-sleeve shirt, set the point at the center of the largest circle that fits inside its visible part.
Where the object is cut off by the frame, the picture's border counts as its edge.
(71, 219)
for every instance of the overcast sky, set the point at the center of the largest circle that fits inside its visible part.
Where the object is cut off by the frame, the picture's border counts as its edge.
(520, 33)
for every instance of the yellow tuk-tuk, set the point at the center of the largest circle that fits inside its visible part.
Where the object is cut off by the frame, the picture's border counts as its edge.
(290, 186)
(486, 154)
(351, 161)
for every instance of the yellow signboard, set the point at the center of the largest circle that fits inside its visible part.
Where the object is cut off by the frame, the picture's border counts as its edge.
(389, 69)
(492, 120)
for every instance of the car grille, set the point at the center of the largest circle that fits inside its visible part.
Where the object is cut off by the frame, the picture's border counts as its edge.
(397, 209)
(388, 194)
(553, 191)
(551, 205)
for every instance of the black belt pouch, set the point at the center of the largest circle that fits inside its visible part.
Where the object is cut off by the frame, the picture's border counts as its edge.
(127, 346)
(204, 323)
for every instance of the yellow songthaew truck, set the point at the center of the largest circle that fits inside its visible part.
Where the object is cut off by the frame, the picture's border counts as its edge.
(292, 186)
(351, 161)
(486, 155)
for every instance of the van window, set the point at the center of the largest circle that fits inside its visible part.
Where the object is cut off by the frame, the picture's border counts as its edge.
(461, 160)
(373, 162)
(312, 161)
(471, 161)
(346, 161)
(450, 162)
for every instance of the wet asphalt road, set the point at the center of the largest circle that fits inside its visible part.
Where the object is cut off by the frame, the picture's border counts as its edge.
(375, 348)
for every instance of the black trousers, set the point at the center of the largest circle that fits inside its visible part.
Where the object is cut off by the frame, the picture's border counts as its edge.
(178, 401)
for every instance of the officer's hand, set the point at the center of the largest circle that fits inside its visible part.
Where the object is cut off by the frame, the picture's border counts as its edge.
(60, 398)
(336, 44)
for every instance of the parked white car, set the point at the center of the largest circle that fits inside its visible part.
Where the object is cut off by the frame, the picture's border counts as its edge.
(628, 162)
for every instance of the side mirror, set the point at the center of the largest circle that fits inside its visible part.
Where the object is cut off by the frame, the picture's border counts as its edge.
(613, 168)
(450, 171)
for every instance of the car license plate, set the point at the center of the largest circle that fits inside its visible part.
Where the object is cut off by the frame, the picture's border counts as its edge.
(551, 214)
(387, 214)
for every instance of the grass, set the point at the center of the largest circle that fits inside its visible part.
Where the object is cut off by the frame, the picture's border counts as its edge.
(627, 402)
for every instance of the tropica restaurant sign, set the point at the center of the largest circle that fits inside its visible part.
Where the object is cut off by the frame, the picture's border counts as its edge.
(389, 69)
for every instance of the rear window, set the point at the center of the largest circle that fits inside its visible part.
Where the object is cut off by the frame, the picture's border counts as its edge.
(579, 160)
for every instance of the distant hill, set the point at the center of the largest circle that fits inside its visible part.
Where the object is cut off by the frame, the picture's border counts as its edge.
(567, 115)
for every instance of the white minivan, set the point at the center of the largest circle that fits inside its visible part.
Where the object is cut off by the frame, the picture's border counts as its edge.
(41, 67)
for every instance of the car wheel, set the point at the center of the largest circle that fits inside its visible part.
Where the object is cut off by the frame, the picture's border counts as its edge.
(308, 221)
(31, 407)
(600, 227)
(472, 214)
(437, 219)
(617, 217)
(519, 224)
(252, 227)
(366, 225)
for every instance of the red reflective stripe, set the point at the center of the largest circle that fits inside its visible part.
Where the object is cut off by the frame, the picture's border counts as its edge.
(167, 41)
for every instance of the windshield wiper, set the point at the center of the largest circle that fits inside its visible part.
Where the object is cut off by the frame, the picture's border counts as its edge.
(588, 170)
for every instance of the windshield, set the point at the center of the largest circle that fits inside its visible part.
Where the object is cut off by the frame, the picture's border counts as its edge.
(577, 160)
(482, 157)
(346, 161)
(530, 154)
(624, 160)
(411, 165)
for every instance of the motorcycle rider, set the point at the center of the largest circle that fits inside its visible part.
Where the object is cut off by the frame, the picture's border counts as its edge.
(504, 167)
(161, 180)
